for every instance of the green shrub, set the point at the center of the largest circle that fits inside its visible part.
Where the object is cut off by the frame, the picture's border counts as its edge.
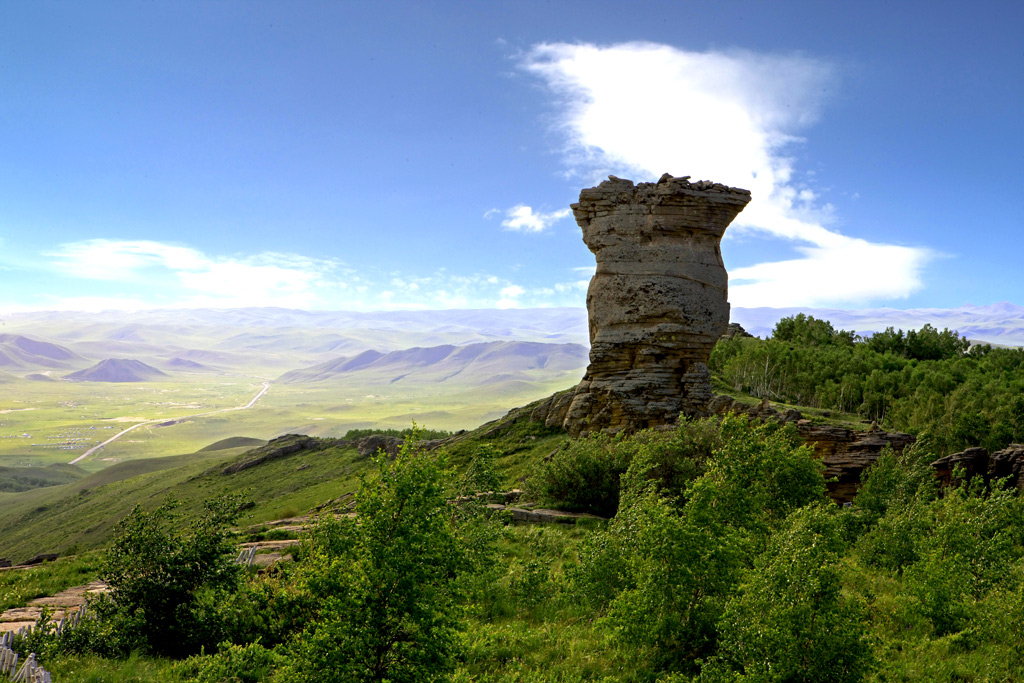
(971, 548)
(675, 574)
(759, 474)
(789, 620)
(250, 663)
(385, 582)
(584, 475)
(267, 608)
(158, 574)
(897, 480)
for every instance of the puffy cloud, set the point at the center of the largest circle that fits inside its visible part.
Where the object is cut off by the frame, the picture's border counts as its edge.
(140, 274)
(523, 218)
(646, 108)
(194, 278)
(510, 296)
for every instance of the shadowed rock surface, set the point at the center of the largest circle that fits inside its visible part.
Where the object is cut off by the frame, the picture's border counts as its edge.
(1008, 462)
(846, 454)
(657, 302)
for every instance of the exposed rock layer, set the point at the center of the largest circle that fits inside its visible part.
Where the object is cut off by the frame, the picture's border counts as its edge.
(657, 302)
(1008, 462)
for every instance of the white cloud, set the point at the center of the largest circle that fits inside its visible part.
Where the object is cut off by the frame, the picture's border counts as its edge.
(577, 286)
(194, 278)
(510, 296)
(647, 109)
(142, 274)
(522, 217)
(879, 271)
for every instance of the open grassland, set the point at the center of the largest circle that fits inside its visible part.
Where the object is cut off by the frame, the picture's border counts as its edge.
(42, 423)
(55, 422)
(81, 515)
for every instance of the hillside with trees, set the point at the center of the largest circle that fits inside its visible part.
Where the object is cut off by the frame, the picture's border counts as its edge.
(714, 554)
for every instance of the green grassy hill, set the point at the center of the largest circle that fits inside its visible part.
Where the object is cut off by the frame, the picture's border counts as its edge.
(80, 515)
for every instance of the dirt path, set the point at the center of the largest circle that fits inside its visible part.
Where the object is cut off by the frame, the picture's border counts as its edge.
(62, 604)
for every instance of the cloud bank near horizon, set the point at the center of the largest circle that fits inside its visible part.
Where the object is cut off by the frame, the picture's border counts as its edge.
(146, 274)
(646, 108)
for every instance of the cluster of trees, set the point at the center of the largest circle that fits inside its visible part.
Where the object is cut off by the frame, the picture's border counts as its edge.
(742, 570)
(923, 382)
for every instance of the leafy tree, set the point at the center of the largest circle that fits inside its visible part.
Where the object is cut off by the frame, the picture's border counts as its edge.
(584, 476)
(386, 581)
(789, 620)
(930, 344)
(757, 477)
(971, 547)
(677, 573)
(160, 577)
(808, 330)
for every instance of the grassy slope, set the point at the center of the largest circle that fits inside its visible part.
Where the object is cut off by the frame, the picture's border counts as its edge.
(82, 515)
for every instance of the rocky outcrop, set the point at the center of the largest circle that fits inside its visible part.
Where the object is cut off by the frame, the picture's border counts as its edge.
(657, 302)
(847, 453)
(552, 410)
(844, 452)
(280, 447)
(542, 516)
(1008, 462)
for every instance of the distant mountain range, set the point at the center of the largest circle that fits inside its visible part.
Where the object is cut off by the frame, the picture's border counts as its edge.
(483, 363)
(314, 346)
(18, 351)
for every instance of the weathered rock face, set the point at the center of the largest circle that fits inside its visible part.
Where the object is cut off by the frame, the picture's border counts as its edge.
(1008, 462)
(657, 303)
(846, 454)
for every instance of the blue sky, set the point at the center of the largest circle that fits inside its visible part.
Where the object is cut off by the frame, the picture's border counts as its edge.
(349, 155)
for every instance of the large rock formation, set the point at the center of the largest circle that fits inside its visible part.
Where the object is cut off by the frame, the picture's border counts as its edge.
(657, 303)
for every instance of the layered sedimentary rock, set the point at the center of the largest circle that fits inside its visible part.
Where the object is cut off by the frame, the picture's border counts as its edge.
(657, 302)
(1007, 463)
(846, 454)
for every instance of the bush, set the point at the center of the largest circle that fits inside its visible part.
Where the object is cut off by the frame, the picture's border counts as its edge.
(759, 475)
(385, 581)
(158, 575)
(251, 663)
(584, 475)
(973, 544)
(675, 574)
(789, 620)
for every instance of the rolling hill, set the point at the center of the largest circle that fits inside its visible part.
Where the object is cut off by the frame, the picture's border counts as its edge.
(117, 370)
(18, 351)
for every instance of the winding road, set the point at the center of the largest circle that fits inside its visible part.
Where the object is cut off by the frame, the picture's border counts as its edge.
(250, 404)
